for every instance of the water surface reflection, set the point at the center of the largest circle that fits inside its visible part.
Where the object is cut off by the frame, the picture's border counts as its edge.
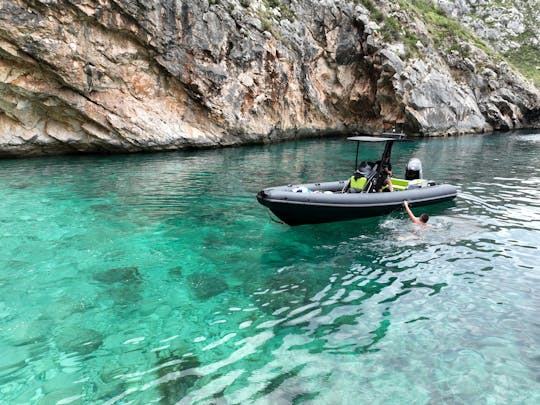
(158, 278)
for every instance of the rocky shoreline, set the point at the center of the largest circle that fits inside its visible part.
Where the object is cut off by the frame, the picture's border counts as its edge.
(130, 76)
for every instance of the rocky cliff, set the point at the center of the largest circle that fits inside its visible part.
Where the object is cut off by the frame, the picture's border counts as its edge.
(134, 75)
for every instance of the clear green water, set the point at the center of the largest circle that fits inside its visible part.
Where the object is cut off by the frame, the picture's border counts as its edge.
(160, 279)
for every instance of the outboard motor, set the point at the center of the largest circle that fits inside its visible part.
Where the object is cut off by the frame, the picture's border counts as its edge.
(414, 169)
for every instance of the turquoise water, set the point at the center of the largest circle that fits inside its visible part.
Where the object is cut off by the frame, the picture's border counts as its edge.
(144, 279)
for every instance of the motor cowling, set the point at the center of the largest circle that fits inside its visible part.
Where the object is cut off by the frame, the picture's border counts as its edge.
(413, 170)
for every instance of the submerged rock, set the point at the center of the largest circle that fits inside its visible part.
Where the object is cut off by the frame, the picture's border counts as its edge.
(123, 295)
(182, 376)
(176, 273)
(80, 340)
(119, 275)
(123, 286)
(206, 286)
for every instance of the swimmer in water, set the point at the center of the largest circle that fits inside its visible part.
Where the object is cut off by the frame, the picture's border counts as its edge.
(422, 219)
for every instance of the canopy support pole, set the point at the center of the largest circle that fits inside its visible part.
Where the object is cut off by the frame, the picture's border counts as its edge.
(356, 161)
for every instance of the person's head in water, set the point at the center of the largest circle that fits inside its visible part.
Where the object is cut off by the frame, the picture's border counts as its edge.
(424, 218)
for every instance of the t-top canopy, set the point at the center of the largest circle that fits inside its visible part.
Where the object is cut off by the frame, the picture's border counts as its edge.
(369, 139)
(387, 136)
(387, 149)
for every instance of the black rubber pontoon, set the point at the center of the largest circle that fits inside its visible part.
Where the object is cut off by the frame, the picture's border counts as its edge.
(325, 202)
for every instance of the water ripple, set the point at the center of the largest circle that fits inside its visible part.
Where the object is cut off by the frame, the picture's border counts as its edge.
(158, 278)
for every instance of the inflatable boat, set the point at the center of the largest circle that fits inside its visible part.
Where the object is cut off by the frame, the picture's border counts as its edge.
(298, 204)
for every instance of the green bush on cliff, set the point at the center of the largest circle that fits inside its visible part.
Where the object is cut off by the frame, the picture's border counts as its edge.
(526, 59)
(374, 11)
(391, 29)
(450, 34)
(445, 31)
(284, 9)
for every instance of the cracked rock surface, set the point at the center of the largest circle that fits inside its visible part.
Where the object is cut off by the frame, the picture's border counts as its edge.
(133, 75)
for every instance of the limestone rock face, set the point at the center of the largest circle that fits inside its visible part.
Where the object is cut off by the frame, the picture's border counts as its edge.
(500, 22)
(133, 75)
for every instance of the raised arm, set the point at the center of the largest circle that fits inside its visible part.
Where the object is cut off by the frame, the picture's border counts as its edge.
(411, 215)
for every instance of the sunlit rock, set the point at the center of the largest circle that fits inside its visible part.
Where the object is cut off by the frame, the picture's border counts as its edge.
(129, 76)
